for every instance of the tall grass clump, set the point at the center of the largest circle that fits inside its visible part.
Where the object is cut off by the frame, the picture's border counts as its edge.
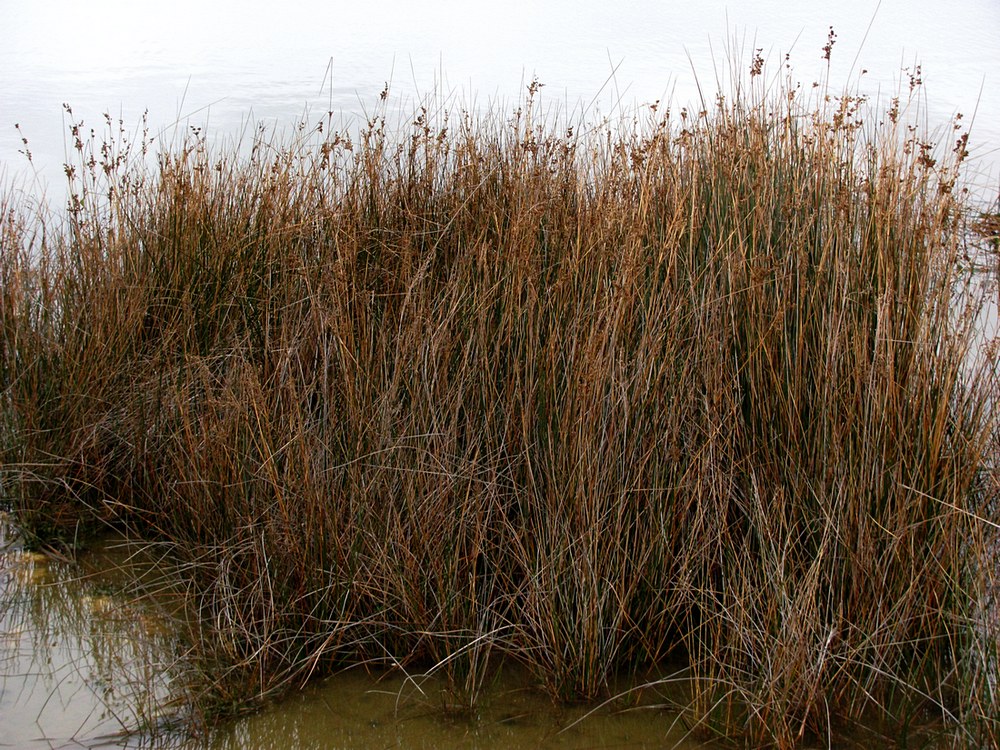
(697, 384)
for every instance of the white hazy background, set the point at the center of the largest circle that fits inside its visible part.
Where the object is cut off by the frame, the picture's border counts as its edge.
(224, 65)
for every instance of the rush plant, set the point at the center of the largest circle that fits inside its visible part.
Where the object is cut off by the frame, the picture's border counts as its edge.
(698, 384)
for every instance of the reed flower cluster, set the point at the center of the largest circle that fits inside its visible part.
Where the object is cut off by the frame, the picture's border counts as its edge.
(697, 385)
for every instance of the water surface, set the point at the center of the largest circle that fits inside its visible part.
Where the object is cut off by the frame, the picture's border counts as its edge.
(220, 65)
(86, 652)
(92, 654)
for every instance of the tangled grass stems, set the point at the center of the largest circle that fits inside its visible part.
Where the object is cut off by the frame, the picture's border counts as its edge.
(695, 385)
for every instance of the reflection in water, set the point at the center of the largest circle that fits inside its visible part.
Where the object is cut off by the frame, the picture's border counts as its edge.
(83, 660)
(92, 656)
(86, 659)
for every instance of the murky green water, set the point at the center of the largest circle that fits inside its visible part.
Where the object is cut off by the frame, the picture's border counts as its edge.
(92, 655)
(91, 650)
(353, 710)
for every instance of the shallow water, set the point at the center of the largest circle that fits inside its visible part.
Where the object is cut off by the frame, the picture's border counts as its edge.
(87, 658)
(93, 650)
(83, 654)
(354, 710)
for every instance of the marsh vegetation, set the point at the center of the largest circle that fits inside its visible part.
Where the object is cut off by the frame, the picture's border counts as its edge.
(694, 385)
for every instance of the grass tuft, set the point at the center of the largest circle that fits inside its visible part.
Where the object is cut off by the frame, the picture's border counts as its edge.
(698, 385)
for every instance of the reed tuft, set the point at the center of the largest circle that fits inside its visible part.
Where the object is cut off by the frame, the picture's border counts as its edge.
(697, 385)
